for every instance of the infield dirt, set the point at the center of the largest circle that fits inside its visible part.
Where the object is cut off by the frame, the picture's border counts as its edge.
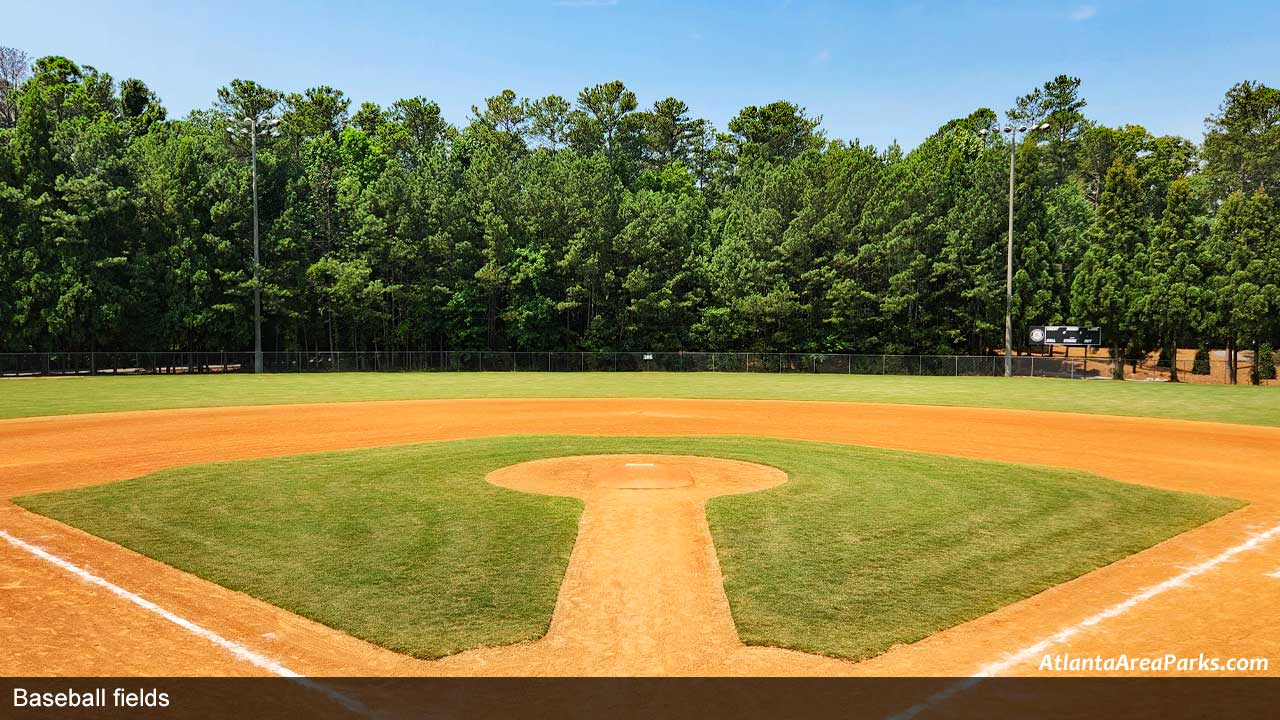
(61, 625)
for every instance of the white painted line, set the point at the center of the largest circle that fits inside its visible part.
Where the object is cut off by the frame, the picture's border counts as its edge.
(1038, 649)
(1275, 574)
(639, 465)
(241, 652)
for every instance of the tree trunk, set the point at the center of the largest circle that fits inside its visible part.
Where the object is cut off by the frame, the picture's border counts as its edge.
(1117, 363)
(1172, 350)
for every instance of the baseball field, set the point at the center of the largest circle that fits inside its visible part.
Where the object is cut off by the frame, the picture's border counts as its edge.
(639, 524)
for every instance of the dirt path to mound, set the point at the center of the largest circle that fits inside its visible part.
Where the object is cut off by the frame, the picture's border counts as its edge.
(642, 594)
(1223, 603)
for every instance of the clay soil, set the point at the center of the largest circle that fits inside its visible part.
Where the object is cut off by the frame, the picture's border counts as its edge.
(1096, 363)
(642, 593)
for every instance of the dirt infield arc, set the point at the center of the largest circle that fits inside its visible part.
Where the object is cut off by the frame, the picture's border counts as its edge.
(58, 624)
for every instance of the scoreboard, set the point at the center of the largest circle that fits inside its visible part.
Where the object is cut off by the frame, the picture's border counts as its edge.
(1065, 335)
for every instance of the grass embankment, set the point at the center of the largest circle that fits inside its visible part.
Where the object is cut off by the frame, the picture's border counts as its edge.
(26, 397)
(409, 548)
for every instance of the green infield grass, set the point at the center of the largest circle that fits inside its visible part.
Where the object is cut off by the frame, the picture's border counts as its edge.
(409, 547)
(24, 397)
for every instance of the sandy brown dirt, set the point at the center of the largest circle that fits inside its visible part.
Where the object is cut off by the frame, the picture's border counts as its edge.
(1148, 369)
(61, 625)
(642, 593)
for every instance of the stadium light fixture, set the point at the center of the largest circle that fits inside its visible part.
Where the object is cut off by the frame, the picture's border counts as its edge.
(1012, 132)
(255, 126)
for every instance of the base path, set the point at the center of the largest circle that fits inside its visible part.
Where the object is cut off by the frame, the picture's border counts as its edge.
(56, 623)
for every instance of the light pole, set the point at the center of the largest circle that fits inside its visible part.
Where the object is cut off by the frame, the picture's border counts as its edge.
(1012, 132)
(255, 126)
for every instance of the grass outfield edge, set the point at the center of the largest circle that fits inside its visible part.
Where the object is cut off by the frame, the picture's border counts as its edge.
(44, 397)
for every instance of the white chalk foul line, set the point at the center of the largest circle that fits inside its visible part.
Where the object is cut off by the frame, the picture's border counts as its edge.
(1028, 653)
(240, 651)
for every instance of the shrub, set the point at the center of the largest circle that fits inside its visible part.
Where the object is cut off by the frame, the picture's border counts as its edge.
(1201, 364)
(1266, 364)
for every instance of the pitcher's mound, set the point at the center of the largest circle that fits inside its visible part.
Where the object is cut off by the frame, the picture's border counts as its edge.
(655, 475)
(586, 476)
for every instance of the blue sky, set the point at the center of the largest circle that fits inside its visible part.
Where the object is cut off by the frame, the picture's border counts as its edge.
(876, 71)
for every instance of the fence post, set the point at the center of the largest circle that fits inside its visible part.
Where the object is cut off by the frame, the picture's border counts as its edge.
(957, 366)
(1033, 366)
(883, 363)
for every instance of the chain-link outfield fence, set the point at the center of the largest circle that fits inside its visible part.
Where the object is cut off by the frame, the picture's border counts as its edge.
(1058, 366)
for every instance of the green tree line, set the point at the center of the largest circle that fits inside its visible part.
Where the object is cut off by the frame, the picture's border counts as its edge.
(596, 223)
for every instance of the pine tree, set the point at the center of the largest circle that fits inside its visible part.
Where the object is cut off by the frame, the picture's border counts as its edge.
(1108, 282)
(1173, 296)
(1242, 293)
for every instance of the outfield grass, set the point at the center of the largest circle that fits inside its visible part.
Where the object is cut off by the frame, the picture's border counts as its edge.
(57, 396)
(409, 548)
